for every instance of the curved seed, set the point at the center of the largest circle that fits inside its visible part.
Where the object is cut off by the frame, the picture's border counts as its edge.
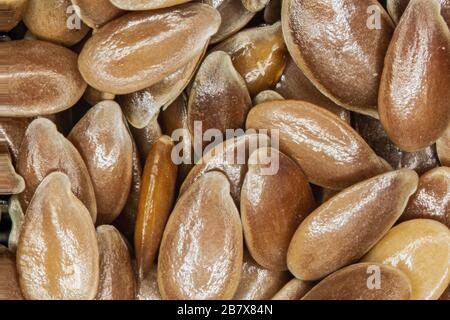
(190, 265)
(45, 150)
(373, 133)
(229, 157)
(397, 7)
(141, 106)
(328, 150)
(16, 215)
(9, 280)
(347, 66)
(415, 92)
(126, 221)
(295, 85)
(155, 202)
(254, 5)
(147, 288)
(354, 283)
(443, 148)
(116, 272)
(272, 11)
(57, 255)
(13, 11)
(39, 85)
(259, 55)
(10, 181)
(219, 98)
(130, 53)
(146, 137)
(266, 96)
(293, 290)
(270, 222)
(135, 5)
(234, 17)
(421, 249)
(258, 283)
(55, 21)
(97, 13)
(93, 96)
(432, 198)
(105, 144)
(13, 130)
(345, 227)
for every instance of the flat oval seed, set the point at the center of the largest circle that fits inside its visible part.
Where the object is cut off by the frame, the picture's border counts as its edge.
(116, 272)
(328, 150)
(234, 17)
(201, 250)
(45, 150)
(219, 98)
(270, 222)
(432, 198)
(57, 255)
(55, 21)
(293, 290)
(294, 85)
(373, 133)
(258, 283)
(338, 48)
(421, 249)
(352, 283)
(39, 85)
(443, 148)
(135, 5)
(155, 203)
(259, 55)
(130, 53)
(266, 96)
(13, 13)
(9, 280)
(96, 13)
(397, 7)
(105, 144)
(229, 157)
(415, 92)
(345, 227)
(254, 5)
(142, 106)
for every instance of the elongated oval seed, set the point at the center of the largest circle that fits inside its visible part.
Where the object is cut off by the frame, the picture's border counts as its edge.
(201, 250)
(96, 13)
(345, 227)
(45, 150)
(397, 7)
(294, 85)
(219, 99)
(443, 148)
(13, 11)
(295, 289)
(57, 255)
(130, 53)
(142, 106)
(229, 157)
(105, 144)
(432, 198)
(55, 20)
(373, 133)
(258, 283)
(354, 283)
(155, 203)
(328, 150)
(135, 5)
(270, 222)
(259, 55)
(421, 249)
(9, 280)
(116, 272)
(347, 66)
(38, 85)
(415, 92)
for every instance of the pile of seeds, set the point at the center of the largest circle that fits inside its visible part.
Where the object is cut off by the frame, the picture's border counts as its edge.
(107, 191)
